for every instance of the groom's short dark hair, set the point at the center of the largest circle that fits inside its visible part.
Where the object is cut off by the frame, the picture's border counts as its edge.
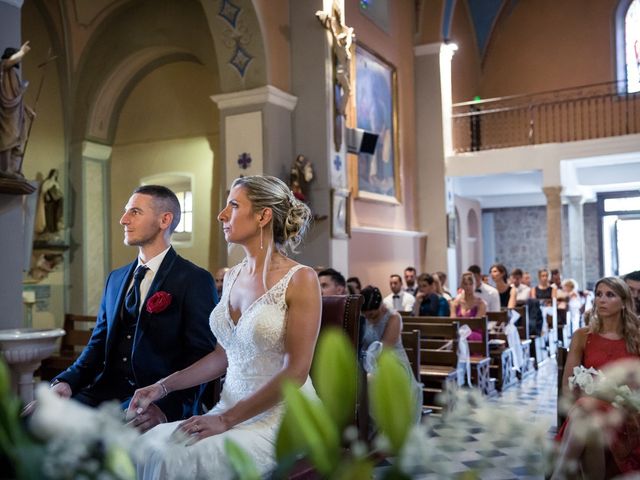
(165, 199)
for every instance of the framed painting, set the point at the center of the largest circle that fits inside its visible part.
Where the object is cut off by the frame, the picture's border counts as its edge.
(376, 111)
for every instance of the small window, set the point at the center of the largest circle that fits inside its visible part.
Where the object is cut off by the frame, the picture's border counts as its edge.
(625, 204)
(186, 210)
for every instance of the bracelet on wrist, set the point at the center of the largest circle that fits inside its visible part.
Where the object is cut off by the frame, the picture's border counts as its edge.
(165, 391)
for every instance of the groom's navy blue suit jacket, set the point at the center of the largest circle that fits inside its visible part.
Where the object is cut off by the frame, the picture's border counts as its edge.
(164, 342)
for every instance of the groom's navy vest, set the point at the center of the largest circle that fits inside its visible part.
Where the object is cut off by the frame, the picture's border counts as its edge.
(119, 363)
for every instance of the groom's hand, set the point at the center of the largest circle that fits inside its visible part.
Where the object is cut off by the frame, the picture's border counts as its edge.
(149, 418)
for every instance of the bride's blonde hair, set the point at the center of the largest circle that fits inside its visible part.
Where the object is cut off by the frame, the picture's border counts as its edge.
(290, 218)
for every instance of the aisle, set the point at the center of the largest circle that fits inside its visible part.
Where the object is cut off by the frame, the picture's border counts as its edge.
(535, 401)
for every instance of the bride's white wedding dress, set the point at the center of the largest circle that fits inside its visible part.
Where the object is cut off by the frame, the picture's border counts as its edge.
(255, 352)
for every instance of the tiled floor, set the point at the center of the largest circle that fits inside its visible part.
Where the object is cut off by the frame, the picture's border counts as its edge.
(489, 447)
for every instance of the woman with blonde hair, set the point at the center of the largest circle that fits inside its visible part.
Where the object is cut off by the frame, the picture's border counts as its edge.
(468, 304)
(613, 334)
(266, 324)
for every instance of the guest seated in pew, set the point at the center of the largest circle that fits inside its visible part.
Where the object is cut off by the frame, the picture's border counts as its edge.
(633, 280)
(428, 302)
(506, 292)
(484, 290)
(468, 304)
(398, 299)
(354, 285)
(441, 282)
(383, 329)
(523, 291)
(332, 282)
(544, 291)
(612, 335)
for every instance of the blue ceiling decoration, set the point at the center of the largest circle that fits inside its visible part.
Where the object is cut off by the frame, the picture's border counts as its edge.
(240, 60)
(484, 14)
(229, 12)
(447, 17)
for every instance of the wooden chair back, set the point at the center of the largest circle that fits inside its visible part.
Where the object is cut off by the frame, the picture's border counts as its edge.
(411, 343)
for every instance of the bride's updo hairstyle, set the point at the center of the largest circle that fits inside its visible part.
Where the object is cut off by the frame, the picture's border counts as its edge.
(291, 218)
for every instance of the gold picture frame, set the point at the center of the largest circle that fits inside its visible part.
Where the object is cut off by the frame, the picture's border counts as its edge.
(376, 111)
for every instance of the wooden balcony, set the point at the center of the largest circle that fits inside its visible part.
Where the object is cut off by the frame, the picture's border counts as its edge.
(568, 115)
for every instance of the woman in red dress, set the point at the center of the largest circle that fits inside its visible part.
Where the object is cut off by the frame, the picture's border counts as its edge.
(613, 334)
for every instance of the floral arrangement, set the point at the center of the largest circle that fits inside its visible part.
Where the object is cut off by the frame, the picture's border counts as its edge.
(63, 439)
(617, 384)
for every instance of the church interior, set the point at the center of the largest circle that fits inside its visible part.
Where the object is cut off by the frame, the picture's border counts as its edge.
(505, 131)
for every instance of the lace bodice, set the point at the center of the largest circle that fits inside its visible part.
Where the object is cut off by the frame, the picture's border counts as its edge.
(255, 345)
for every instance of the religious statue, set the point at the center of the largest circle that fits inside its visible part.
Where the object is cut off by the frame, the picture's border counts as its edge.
(300, 178)
(49, 216)
(342, 41)
(14, 114)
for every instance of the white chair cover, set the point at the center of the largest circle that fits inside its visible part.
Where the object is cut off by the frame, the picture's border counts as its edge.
(464, 365)
(513, 339)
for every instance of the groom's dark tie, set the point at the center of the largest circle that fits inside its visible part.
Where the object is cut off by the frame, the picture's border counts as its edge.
(132, 299)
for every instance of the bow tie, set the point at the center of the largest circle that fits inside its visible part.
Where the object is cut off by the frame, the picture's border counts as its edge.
(478, 290)
(396, 296)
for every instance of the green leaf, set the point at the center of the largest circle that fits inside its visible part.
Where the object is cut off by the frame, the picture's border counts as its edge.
(289, 442)
(118, 462)
(335, 376)
(391, 400)
(5, 379)
(319, 434)
(241, 463)
(354, 470)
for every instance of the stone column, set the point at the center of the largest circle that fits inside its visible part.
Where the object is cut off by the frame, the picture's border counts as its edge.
(576, 239)
(12, 215)
(255, 136)
(433, 124)
(554, 226)
(90, 230)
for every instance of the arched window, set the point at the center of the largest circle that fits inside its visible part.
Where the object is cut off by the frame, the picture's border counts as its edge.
(628, 45)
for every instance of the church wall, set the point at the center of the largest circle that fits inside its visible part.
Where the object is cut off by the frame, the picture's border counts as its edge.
(46, 150)
(521, 239)
(465, 65)
(274, 21)
(164, 129)
(547, 45)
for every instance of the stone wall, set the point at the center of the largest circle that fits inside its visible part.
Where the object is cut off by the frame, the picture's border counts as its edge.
(521, 239)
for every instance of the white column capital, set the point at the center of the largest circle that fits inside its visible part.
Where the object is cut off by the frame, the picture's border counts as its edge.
(575, 200)
(96, 151)
(439, 48)
(256, 97)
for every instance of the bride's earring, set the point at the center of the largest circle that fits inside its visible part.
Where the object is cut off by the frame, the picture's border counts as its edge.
(261, 245)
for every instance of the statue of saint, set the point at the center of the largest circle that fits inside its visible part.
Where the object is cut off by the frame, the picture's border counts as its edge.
(300, 178)
(13, 113)
(49, 217)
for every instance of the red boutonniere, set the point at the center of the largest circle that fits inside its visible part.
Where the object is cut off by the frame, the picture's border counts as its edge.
(158, 302)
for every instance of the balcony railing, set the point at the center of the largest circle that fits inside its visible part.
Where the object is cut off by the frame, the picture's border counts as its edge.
(568, 115)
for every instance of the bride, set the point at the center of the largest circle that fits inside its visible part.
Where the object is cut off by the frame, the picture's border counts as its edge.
(266, 324)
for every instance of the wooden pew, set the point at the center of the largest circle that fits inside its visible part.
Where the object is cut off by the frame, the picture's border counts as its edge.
(501, 320)
(480, 360)
(78, 330)
(438, 364)
(411, 344)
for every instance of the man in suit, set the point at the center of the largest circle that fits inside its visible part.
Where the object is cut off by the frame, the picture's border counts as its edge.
(153, 319)
(332, 282)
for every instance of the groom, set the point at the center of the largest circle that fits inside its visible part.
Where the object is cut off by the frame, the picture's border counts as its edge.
(153, 319)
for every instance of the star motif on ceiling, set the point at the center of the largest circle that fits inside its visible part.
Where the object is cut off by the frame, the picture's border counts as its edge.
(229, 12)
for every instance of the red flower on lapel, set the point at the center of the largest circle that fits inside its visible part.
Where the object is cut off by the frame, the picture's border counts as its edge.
(158, 302)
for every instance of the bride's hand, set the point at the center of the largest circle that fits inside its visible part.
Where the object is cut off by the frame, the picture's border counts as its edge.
(143, 397)
(202, 426)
